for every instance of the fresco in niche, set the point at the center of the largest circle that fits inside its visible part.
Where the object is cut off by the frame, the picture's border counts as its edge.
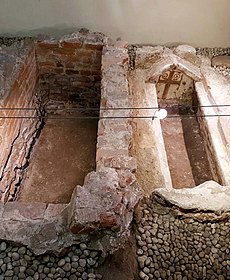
(175, 87)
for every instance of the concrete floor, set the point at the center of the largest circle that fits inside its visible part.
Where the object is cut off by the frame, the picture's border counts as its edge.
(186, 153)
(63, 155)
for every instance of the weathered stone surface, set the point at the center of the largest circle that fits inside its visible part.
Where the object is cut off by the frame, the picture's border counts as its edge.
(207, 196)
(102, 203)
(222, 60)
(24, 211)
(54, 210)
(24, 223)
(169, 61)
(188, 53)
(121, 162)
(146, 56)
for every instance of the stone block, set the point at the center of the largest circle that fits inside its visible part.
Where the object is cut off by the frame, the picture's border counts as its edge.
(100, 203)
(221, 60)
(209, 196)
(184, 50)
(19, 211)
(121, 162)
(54, 210)
(1, 209)
(147, 55)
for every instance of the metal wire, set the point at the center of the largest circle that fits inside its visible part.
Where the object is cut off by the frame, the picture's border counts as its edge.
(111, 117)
(116, 108)
(77, 109)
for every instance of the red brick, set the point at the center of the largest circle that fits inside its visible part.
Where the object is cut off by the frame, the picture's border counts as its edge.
(87, 59)
(85, 72)
(96, 72)
(41, 53)
(96, 78)
(71, 44)
(72, 72)
(69, 65)
(93, 47)
(66, 51)
(109, 220)
(48, 44)
(84, 53)
(47, 64)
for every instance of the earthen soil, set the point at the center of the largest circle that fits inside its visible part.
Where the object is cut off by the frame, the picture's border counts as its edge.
(122, 265)
(62, 156)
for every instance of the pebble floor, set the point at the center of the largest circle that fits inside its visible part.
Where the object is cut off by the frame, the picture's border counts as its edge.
(20, 263)
(169, 247)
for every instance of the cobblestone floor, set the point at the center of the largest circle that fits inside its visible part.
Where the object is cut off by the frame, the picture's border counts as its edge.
(175, 248)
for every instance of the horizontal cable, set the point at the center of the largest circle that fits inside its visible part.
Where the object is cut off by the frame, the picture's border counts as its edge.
(116, 108)
(112, 117)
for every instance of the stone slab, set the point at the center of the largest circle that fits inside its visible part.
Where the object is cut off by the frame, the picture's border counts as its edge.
(23, 211)
(54, 210)
(221, 60)
(209, 196)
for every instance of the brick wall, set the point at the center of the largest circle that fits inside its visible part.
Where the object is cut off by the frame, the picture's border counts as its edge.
(70, 70)
(17, 134)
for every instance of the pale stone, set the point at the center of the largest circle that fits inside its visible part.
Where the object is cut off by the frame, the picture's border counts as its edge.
(207, 196)
(184, 49)
(188, 53)
(222, 60)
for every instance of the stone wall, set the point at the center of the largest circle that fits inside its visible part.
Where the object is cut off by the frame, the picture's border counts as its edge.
(105, 203)
(70, 70)
(215, 168)
(17, 135)
(214, 137)
(147, 140)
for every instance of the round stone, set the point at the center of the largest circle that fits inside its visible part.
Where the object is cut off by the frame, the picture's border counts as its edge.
(3, 246)
(93, 254)
(83, 246)
(22, 250)
(15, 256)
(61, 262)
(82, 262)
(67, 267)
(84, 276)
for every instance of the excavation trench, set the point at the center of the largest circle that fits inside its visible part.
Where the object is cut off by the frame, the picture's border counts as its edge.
(63, 155)
(49, 143)
(185, 148)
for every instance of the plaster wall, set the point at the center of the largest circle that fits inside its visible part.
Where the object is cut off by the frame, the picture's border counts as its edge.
(195, 22)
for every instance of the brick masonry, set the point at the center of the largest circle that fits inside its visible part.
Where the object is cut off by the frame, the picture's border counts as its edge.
(19, 77)
(70, 70)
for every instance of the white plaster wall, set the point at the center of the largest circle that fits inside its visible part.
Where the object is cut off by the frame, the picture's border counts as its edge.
(195, 22)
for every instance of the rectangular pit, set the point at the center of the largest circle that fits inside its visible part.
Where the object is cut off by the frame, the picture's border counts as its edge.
(62, 149)
(180, 151)
(185, 147)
